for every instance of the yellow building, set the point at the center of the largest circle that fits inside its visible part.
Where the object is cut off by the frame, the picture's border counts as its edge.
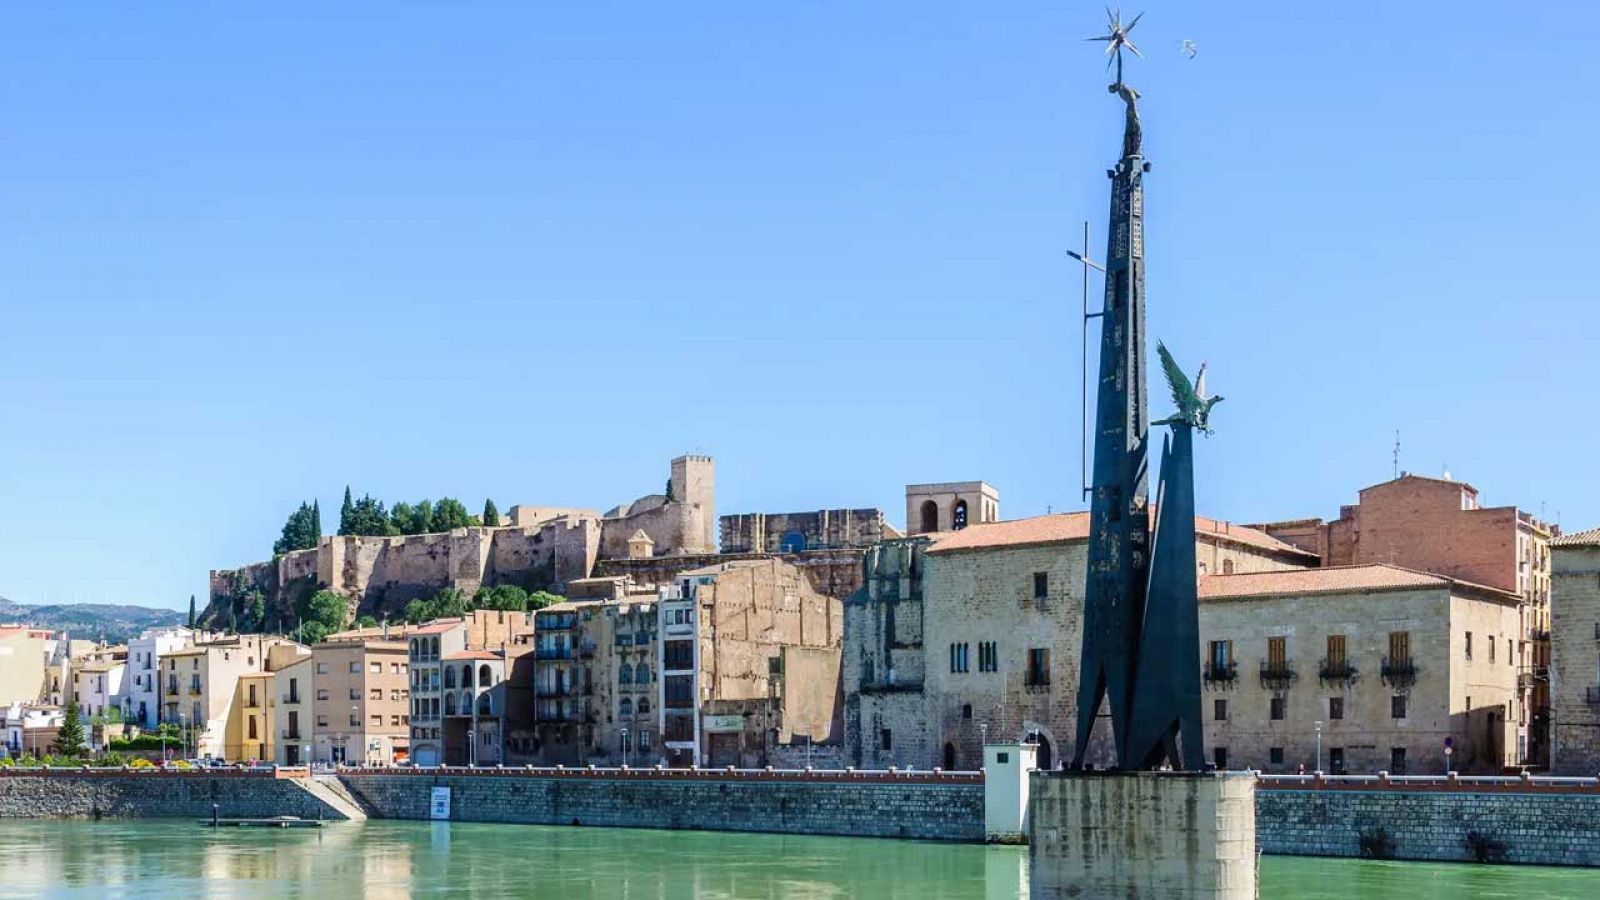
(248, 737)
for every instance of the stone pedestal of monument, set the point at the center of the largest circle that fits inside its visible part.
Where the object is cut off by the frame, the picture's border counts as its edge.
(1142, 834)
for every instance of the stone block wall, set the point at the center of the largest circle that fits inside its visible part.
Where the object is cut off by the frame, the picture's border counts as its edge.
(1538, 826)
(1575, 648)
(150, 794)
(924, 805)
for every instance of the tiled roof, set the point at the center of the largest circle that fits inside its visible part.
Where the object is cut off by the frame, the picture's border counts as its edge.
(1330, 580)
(1590, 538)
(473, 654)
(437, 627)
(1067, 527)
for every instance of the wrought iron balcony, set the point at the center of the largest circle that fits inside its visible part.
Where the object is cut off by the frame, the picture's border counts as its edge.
(553, 653)
(1543, 634)
(1399, 671)
(1335, 671)
(1223, 674)
(1277, 676)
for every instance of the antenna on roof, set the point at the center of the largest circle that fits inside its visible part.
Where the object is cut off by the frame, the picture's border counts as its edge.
(1397, 453)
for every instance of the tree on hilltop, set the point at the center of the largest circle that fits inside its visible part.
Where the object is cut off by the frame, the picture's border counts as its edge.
(346, 511)
(491, 516)
(450, 514)
(367, 517)
(300, 532)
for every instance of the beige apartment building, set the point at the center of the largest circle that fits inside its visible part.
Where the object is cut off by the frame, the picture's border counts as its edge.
(22, 664)
(1575, 654)
(456, 718)
(199, 686)
(292, 731)
(361, 711)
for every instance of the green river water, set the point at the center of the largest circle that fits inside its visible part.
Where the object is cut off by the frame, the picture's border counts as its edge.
(180, 860)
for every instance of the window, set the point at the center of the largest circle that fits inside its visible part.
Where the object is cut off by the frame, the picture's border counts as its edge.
(678, 654)
(1397, 706)
(1227, 567)
(1397, 761)
(1490, 642)
(1219, 710)
(641, 674)
(625, 708)
(1336, 760)
(355, 693)
(394, 668)
(958, 657)
(644, 740)
(1277, 706)
(885, 740)
(1275, 755)
(966, 710)
(376, 694)
(1336, 657)
(1399, 646)
(930, 516)
(1221, 655)
(394, 721)
(322, 668)
(625, 674)
(988, 657)
(1219, 755)
(958, 515)
(1335, 707)
(355, 721)
(1038, 667)
(252, 721)
(322, 721)
(1277, 654)
(1469, 645)
(644, 707)
(375, 668)
(322, 693)
(377, 721)
(1041, 585)
(355, 667)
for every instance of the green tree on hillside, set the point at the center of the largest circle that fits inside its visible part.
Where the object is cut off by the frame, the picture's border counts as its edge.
(69, 739)
(491, 516)
(540, 599)
(322, 614)
(506, 597)
(450, 513)
(300, 532)
(366, 517)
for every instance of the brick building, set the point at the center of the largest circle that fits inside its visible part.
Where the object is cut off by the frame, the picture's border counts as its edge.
(1441, 526)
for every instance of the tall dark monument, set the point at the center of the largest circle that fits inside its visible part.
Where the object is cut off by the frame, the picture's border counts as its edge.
(1141, 650)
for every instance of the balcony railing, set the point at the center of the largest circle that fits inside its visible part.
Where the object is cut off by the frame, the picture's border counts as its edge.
(1543, 634)
(291, 698)
(1277, 675)
(1335, 671)
(553, 653)
(1222, 674)
(1398, 671)
(291, 734)
(1036, 681)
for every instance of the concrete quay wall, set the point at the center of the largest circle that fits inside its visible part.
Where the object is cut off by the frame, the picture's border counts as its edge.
(929, 806)
(140, 794)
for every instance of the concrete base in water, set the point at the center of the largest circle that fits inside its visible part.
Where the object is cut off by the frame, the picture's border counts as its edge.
(1142, 834)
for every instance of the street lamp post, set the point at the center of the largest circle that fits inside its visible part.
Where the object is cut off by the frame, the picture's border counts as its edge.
(1318, 726)
(625, 755)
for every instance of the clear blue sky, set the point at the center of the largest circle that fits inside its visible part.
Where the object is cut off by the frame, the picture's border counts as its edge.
(533, 251)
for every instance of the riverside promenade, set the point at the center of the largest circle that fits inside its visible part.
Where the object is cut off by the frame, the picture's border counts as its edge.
(1525, 820)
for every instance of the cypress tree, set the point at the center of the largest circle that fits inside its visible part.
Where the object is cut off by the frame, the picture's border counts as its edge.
(316, 523)
(491, 516)
(191, 610)
(346, 512)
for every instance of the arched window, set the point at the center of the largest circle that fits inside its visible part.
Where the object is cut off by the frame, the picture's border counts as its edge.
(449, 704)
(485, 707)
(625, 674)
(641, 675)
(626, 707)
(449, 677)
(466, 674)
(1227, 567)
(485, 677)
(413, 648)
(930, 516)
(644, 707)
(958, 515)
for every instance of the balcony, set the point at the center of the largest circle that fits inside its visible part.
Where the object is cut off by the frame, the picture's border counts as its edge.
(1543, 634)
(290, 698)
(556, 622)
(1036, 682)
(1221, 674)
(1277, 676)
(1398, 671)
(291, 734)
(1335, 671)
(553, 653)
(547, 693)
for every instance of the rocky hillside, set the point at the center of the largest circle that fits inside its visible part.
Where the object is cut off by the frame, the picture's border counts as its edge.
(114, 623)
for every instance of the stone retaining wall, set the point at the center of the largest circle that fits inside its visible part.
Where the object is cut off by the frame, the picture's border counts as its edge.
(922, 805)
(151, 794)
(1540, 827)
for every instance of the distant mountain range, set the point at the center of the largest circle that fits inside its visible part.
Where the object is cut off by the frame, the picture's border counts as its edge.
(111, 622)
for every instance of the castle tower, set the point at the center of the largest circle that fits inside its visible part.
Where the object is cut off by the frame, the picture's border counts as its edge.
(694, 486)
(950, 506)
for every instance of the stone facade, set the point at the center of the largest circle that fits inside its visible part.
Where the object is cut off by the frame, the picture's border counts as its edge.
(1441, 526)
(826, 529)
(976, 633)
(1377, 656)
(925, 807)
(458, 686)
(1575, 655)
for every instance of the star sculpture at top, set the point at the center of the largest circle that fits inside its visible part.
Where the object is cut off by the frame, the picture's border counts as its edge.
(1117, 40)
